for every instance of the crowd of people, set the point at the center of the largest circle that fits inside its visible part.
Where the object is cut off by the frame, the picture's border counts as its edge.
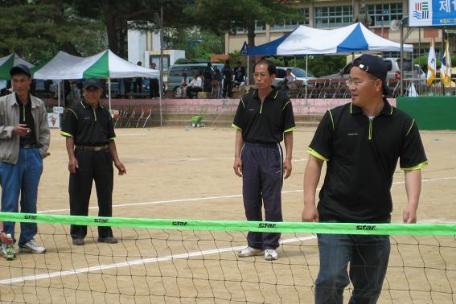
(217, 83)
(361, 143)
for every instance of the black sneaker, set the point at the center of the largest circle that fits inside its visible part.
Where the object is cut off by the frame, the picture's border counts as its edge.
(78, 242)
(108, 239)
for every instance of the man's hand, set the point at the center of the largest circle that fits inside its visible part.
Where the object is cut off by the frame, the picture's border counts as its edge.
(120, 167)
(310, 214)
(21, 130)
(237, 166)
(73, 165)
(409, 215)
(287, 168)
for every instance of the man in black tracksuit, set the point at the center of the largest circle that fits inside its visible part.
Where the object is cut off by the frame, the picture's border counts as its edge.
(263, 119)
(89, 133)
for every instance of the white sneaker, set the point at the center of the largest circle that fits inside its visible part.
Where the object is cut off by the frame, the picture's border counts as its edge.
(249, 251)
(8, 251)
(270, 255)
(33, 247)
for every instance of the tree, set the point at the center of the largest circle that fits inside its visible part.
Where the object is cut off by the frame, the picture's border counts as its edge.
(223, 15)
(38, 30)
(116, 15)
(198, 45)
(318, 65)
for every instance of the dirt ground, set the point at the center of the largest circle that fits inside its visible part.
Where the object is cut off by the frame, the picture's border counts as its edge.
(186, 173)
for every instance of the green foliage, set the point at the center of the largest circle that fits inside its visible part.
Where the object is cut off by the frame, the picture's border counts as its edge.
(422, 61)
(38, 31)
(198, 45)
(317, 65)
(236, 57)
(219, 15)
(324, 65)
(140, 14)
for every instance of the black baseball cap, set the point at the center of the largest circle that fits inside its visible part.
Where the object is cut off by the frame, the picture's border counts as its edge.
(21, 69)
(375, 66)
(92, 83)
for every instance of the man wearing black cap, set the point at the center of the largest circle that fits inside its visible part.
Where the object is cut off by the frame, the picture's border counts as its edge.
(361, 143)
(89, 133)
(24, 141)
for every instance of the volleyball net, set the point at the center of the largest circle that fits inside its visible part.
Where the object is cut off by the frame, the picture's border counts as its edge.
(195, 261)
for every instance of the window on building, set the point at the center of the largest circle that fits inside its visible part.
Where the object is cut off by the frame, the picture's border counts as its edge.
(382, 14)
(260, 26)
(290, 24)
(333, 16)
(238, 27)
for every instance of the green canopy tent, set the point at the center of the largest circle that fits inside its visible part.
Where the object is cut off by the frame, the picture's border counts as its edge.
(7, 62)
(104, 65)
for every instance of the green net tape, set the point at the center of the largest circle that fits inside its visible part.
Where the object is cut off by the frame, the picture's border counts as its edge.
(205, 225)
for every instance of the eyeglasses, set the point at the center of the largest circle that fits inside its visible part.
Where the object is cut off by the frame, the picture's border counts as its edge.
(356, 82)
(353, 82)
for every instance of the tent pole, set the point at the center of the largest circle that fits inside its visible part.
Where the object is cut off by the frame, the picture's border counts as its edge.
(160, 105)
(64, 93)
(109, 94)
(248, 70)
(58, 93)
(161, 64)
(307, 75)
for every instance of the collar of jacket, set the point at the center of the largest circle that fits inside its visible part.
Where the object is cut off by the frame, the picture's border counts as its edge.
(12, 101)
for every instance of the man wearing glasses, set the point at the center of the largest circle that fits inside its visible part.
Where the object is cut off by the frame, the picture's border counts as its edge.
(361, 143)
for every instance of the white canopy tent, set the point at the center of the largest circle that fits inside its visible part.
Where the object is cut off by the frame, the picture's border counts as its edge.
(310, 41)
(104, 65)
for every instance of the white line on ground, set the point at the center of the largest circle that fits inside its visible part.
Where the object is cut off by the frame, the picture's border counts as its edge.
(216, 197)
(70, 272)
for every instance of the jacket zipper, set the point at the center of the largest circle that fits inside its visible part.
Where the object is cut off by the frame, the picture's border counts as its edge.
(370, 128)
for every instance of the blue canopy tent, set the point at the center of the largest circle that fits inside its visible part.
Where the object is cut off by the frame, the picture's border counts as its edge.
(310, 41)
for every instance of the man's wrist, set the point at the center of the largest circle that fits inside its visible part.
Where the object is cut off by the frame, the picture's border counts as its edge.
(413, 205)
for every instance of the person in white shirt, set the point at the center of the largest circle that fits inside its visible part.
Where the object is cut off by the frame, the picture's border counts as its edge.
(195, 86)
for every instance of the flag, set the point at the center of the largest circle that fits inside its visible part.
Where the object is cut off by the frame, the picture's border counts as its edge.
(445, 69)
(432, 65)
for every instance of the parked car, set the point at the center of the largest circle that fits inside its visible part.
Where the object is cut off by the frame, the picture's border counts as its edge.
(411, 71)
(394, 71)
(331, 85)
(298, 73)
(176, 71)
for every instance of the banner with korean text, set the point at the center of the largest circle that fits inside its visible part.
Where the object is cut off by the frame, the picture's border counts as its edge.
(438, 13)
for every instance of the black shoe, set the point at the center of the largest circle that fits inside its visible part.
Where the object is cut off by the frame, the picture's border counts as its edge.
(108, 239)
(78, 242)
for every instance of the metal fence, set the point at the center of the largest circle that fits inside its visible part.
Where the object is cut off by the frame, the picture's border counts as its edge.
(336, 88)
